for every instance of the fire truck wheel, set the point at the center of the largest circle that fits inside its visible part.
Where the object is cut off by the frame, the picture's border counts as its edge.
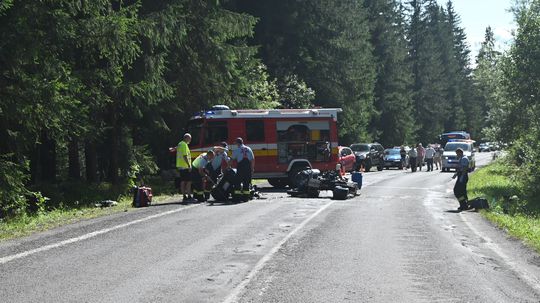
(278, 182)
(293, 181)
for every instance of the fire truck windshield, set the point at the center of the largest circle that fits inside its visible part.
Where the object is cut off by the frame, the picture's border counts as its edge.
(215, 132)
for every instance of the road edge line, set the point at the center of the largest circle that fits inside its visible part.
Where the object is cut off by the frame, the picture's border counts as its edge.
(233, 296)
(9, 258)
(521, 273)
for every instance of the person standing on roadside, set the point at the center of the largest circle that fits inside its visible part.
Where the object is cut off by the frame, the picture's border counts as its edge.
(413, 154)
(183, 164)
(462, 174)
(403, 155)
(245, 164)
(421, 154)
(437, 158)
(430, 154)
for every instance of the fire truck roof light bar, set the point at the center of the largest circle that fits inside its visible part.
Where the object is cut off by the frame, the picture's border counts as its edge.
(258, 113)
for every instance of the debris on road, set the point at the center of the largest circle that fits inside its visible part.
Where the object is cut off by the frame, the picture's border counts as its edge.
(312, 181)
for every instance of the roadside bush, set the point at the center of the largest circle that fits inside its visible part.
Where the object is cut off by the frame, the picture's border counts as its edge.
(525, 155)
(13, 177)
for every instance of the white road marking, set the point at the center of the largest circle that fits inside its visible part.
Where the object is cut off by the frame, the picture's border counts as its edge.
(530, 279)
(233, 296)
(6, 259)
(400, 187)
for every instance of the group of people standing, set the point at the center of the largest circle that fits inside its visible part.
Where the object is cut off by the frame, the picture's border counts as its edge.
(431, 156)
(209, 165)
(419, 155)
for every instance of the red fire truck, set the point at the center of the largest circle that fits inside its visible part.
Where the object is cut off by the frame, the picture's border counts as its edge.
(284, 141)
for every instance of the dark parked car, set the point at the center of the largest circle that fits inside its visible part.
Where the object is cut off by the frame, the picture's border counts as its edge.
(368, 155)
(392, 158)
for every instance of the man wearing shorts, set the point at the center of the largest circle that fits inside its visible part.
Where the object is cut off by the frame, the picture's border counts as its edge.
(183, 164)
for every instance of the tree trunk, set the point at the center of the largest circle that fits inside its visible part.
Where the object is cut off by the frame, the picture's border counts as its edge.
(114, 143)
(35, 165)
(48, 158)
(74, 170)
(90, 156)
(113, 154)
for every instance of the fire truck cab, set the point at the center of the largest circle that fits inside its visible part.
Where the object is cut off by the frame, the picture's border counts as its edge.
(284, 141)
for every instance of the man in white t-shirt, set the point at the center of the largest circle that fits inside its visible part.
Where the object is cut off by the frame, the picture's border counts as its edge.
(430, 153)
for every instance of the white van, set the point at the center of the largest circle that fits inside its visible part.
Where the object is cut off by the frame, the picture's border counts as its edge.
(450, 161)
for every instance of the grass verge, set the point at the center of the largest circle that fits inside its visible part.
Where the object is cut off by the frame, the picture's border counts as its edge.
(511, 214)
(70, 207)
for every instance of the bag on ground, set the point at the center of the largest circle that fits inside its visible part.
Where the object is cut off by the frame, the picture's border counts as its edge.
(479, 203)
(142, 196)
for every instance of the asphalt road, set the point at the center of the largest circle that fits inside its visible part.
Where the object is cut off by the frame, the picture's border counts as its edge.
(398, 241)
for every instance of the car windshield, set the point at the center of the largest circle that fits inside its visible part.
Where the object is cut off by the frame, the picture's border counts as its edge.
(454, 146)
(393, 151)
(360, 147)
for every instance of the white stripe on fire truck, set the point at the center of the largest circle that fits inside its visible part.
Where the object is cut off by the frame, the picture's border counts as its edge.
(252, 146)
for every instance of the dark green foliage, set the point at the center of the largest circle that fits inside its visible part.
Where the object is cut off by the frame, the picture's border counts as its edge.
(13, 179)
(488, 81)
(94, 91)
(520, 122)
(445, 98)
(294, 93)
(96, 82)
(325, 43)
(393, 124)
(426, 38)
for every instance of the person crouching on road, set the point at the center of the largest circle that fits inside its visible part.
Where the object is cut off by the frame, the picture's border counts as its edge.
(462, 174)
(413, 154)
(198, 173)
(245, 164)
(430, 153)
(220, 161)
(183, 164)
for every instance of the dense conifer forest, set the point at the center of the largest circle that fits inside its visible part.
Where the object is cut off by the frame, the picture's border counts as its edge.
(96, 91)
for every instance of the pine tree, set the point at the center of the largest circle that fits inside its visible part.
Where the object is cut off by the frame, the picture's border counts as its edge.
(325, 43)
(394, 124)
(487, 78)
(430, 106)
(466, 97)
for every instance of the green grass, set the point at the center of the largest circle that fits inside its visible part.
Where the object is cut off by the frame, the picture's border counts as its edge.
(73, 202)
(512, 215)
(77, 202)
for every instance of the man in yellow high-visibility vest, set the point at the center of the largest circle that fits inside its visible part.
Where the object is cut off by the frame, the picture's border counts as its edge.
(183, 164)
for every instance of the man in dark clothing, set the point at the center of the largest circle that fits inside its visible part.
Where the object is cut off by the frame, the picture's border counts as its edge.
(403, 155)
(245, 165)
(462, 174)
(413, 154)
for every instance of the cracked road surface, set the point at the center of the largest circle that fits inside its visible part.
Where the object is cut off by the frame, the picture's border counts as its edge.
(398, 241)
